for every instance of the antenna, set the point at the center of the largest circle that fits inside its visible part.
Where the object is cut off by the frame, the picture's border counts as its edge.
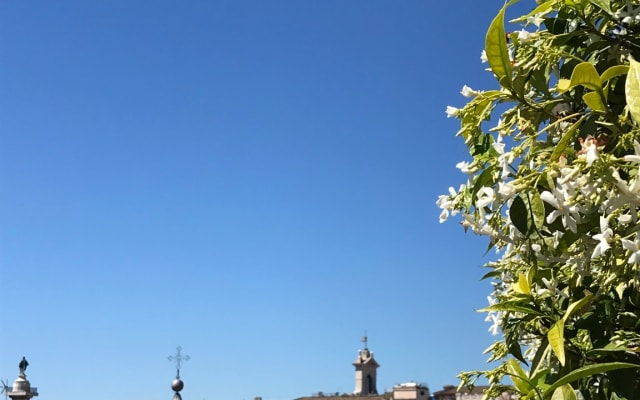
(5, 388)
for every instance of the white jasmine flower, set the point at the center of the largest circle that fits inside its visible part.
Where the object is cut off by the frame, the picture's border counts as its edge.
(552, 287)
(535, 19)
(634, 247)
(494, 317)
(486, 197)
(506, 189)
(589, 150)
(603, 237)
(469, 221)
(452, 111)
(504, 159)
(468, 92)
(524, 36)
(447, 203)
(496, 320)
(465, 167)
(625, 219)
(559, 200)
(483, 57)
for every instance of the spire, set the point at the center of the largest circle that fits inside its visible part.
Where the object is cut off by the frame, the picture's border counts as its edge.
(177, 385)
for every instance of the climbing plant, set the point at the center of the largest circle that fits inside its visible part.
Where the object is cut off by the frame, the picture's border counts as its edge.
(553, 182)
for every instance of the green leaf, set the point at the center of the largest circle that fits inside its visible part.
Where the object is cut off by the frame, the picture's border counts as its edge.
(541, 353)
(566, 139)
(518, 214)
(584, 74)
(564, 392)
(612, 72)
(620, 289)
(497, 51)
(543, 8)
(482, 145)
(585, 372)
(527, 213)
(603, 4)
(556, 340)
(594, 101)
(632, 89)
(577, 305)
(537, 209)
(512, 306)
(518, 376)
(522, 286)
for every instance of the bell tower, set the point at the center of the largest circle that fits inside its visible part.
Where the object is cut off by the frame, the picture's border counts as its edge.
(366, 368)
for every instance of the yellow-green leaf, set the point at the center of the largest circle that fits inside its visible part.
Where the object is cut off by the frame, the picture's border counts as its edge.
(556, 340)
(564, 392)
(537, 211)
(612, 72)
(584, 372)
(563, 84)
(522, 286)
(518, 376)
(566, 139)
(577, 305)
(584, 74)
(603, 4)
(621, 288)
(497, 51)
(632, 89)
(594, 101)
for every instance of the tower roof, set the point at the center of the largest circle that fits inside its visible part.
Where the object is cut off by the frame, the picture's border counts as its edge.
(365, 358)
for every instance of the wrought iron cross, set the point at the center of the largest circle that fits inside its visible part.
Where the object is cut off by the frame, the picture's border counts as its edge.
(178, 359)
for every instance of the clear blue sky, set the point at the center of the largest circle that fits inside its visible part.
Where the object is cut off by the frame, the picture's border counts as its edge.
(252, 180)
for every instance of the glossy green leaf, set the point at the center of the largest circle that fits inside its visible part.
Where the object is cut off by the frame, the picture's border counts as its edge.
(556, 340)
(518, 376)
(512, 306)
(567, 137)
(540, 355)
(602, 4)
(497, 51)
(564, 392)
(612, 72)
(537, 209)
(632, 90)
(542, 8)
(594, 101)
(518, 214)
(584, 74)
(585, 372)
(522, 285)
(576, 306)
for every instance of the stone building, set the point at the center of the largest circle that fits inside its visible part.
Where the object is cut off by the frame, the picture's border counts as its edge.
(450, 392)
(366, 386)
(366, 383)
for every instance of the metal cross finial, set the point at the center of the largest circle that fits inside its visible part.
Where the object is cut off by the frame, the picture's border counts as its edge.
(178, 359)
(364, 340)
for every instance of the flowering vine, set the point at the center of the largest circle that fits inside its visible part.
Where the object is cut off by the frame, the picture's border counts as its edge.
(555, 187)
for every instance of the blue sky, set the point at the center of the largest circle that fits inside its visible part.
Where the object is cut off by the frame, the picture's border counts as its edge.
(252, 180)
